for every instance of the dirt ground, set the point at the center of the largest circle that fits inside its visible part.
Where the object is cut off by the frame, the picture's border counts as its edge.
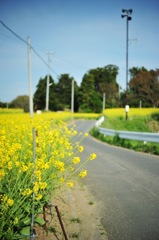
(80, 216)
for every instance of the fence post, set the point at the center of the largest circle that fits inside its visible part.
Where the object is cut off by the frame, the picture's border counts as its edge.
(32, 235)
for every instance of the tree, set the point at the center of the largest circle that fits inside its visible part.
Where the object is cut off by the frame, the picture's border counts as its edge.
(64, 92)
(21, 102)
(135, 70)
(105, 82)
(40, 94)
(3, 104)
(144, 86)
(89, 98)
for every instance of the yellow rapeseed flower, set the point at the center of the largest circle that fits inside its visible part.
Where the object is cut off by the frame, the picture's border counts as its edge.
(80, 148)
(2, 174)
(92, 156)
(27, 192)
(42, 185)
(76, 160)
(74, 133)
(61, 180)
(38, 197)
(36, 187)
(83, 174)
(9, 165)
(60, 166)
(23, 167)
(10, 202)
(70, 184)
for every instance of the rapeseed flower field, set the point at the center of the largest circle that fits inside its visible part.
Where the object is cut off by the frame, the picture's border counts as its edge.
(120, 112)
(38, 157)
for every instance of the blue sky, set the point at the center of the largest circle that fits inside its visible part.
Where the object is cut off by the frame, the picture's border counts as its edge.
(81, 35)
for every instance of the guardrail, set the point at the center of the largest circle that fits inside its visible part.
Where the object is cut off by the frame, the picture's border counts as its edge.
(140, 136)
(99, 121)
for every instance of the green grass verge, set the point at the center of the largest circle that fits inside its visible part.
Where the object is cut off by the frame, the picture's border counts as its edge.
(137, 124)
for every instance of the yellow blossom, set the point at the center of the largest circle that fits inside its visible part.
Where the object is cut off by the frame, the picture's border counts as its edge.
(17, 163)
(92, 156)
(2, 173)
(83, 174)
(60, 166)
(61, 180)
(36, 187)
(42, 185)
(9, 165)
(70, 184)
(74, 133)
(76, 160)
(10, 202)
(27, 192)
(80, 148)
(23, 167)
(38, 197)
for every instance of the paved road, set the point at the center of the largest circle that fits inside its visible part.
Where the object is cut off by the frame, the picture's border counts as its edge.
(126, 183)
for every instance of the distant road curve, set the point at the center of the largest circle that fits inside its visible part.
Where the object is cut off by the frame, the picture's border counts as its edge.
(126, 183)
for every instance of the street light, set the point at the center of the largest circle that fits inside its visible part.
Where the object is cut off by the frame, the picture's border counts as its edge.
(127, 13)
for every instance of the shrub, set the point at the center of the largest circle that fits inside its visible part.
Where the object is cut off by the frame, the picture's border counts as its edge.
(155, 116)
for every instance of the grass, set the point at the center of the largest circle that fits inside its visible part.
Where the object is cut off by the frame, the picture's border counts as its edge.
(75, 220)
(152, 148)
(75, 235)
(143, 122)
(135, 124)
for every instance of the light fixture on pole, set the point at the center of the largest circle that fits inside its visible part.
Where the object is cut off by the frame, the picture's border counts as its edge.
(127, 13)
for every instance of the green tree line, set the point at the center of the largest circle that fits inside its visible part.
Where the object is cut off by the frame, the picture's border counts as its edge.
(88, 97)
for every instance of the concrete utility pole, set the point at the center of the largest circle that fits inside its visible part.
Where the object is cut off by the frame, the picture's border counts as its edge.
(48, 83)
(127, 14)
(30, 80)
(72, 97)
(103, 102)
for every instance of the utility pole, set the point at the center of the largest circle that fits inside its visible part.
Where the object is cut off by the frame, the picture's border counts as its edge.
(72, 97)
(48, 83)
(103, 102)
(127, 14)
(30, 80)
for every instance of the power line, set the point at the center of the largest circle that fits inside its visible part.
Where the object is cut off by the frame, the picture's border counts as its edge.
(20, 38)
(4, 25)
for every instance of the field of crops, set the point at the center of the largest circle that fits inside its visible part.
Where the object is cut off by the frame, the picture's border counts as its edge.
(120, 112)
(38, 157)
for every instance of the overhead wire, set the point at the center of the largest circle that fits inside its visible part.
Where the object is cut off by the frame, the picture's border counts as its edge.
(33, 49)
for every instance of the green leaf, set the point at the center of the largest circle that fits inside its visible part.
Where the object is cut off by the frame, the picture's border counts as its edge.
(40, 221)
(25, 231)
(27, 221)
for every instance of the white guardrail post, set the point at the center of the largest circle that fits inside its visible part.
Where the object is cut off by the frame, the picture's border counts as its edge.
(98, 123)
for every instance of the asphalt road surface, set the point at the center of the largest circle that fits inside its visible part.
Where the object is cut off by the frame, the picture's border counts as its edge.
(126, 184)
